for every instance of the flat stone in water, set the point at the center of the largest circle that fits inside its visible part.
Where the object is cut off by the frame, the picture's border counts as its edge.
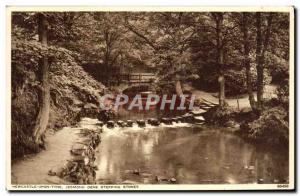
(121, 123)
(199, 119)
(166, 121)
(141, 123)
(197, 112)
(153, 121)
(100, 123)
(129, 123)
(110, 124)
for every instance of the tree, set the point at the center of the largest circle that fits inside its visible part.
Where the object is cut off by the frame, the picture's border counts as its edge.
(218, 17)
(246, 56)
(41, 63)
(168, 42)
(44, 94)
(262, 43)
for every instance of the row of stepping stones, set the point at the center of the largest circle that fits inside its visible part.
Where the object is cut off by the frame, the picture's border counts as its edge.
(193, 117)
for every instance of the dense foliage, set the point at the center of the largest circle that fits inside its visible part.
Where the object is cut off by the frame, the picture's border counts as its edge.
(70, 86)
(249, 50)
(271, 127)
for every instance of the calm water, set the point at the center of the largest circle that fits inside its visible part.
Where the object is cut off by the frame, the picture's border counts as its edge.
(190, 154)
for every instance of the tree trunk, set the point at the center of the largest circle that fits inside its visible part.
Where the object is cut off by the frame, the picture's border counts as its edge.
(259, 63)
(246, 53)
(221, 81)
(178, 87)
(219, 20)
(44, 94)
(261, 47)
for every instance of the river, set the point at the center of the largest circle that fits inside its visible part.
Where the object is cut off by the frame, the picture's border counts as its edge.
(187, 154)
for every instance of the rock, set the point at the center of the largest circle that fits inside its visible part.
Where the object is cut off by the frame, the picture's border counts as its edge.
(96, 139)
(175, 120)
(100, 124)
(205, 108)
(180, 119)
(150, 120)
(129, 182)
(226, 167)
(100, 130)
(110, 124)
(141, 123)
(79, 149)
(83, 159)
(153, 121)
(136, 172)
(251, 167)
(199, 119)
(166, 121)
(188, 118)
(56, 171)
(276, 181)
(90, 106)
(161, 178)
(197, 112)
(172, 180)
(51, 173)
(260, 181)
(129, 123)
(246, 110)
(80, 181)
(90, 180)
(146, 174)
(230, 123)
(121, 123)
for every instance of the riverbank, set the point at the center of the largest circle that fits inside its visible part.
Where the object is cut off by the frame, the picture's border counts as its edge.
(177, 153)
(34, 169)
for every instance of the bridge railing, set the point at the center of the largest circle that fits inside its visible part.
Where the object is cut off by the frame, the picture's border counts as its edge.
(140, 78)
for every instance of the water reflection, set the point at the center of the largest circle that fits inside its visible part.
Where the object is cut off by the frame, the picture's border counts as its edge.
(197, 155)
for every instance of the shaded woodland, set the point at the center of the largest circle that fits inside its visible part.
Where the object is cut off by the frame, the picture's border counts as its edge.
(61, 62)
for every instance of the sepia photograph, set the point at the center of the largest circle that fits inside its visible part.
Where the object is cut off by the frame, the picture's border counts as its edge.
(150, 98)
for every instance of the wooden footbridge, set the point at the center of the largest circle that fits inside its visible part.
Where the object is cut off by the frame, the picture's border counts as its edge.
(132, 78)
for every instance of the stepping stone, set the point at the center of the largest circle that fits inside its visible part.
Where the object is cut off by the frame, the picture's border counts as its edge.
(129, 123)
(121, 123)
(175, 120)
(153, 121)
(141, 123)
(100, 123)
(199, 119)
(188, 118)
(180, 119)
(167, 121)
(110, 124)
(197, 112)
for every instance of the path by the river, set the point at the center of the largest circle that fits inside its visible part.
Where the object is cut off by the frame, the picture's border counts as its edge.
(242, 101)
(34, 168)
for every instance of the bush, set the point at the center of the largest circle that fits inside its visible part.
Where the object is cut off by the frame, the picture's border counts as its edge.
(23, 112)
(279, 72)
(66, 106)
(219, 115)
(271, 127)
(283, 93)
